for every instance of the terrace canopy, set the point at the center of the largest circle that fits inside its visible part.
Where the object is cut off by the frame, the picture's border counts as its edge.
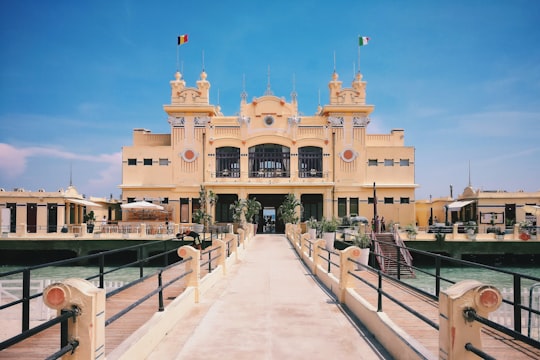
(457, 205)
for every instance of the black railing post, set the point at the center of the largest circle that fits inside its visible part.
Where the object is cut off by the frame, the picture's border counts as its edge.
(437, 276)
(160, 296)
(165, 255)
(329, 260)
(26, 300)
(379, 291)
(398, 259)
(64, 330)
(517, 303)
(102, 271)
(140, 261)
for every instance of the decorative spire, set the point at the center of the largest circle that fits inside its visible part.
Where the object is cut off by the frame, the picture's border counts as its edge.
(244, 94)
(293, 94)
(268, 90)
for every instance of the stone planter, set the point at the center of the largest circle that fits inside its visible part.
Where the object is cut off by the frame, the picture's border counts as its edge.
(329, 238)
(312, 234)
(363, 258)
(198, 228)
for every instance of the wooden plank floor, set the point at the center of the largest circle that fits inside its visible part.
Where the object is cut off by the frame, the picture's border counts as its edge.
(48, 342)
(496, 344)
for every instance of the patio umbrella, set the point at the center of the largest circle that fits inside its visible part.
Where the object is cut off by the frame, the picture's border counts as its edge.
(141, 205)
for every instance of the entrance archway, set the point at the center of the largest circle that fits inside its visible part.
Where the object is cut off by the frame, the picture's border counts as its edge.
(270, 204)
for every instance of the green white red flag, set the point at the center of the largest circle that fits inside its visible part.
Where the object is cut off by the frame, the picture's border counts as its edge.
(363, 40)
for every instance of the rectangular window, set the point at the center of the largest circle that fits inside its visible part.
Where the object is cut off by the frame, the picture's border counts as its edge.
(353, 206)
(342, 207)
(388, 200)
(130, 200)
(132, 162)
(184, 210)
(163, 162)
(404, 200)
(372, 162)
(388, 162)
(147, 162)
(370, 200)
(165, 200)
(403, 162)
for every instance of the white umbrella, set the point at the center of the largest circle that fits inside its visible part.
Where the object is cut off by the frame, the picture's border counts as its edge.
(142, 205)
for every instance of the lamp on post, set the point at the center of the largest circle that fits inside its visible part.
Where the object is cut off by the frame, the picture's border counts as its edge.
(430, 210)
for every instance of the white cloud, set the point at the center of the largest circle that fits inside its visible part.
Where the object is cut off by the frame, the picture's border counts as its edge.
(13, 160)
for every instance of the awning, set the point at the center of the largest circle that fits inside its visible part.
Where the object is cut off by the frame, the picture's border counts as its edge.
(532, 209)
(83, 202)
(457, 205)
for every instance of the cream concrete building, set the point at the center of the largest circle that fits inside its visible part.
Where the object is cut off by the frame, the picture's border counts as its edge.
(327, 160)
(45, 212)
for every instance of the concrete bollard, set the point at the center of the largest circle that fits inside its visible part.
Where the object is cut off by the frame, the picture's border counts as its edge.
(193, 267)
(89, 327)
(455, 329)
(222, 257)
(345, 267)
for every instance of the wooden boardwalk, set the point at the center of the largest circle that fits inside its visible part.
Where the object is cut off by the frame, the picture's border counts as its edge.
(496, 344)
(46, 343)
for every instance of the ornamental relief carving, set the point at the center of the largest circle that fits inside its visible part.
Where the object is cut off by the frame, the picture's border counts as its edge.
(176, 121)
(335, 120)
(361, 121)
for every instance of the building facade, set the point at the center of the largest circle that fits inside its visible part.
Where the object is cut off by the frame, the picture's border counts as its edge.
(45, 212)
(268, 150)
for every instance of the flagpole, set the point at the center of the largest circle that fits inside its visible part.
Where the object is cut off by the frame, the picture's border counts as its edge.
(359, 53)
(177, 57)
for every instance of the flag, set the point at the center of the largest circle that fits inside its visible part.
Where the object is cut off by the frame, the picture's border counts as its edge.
(182, 39)
(362, 40)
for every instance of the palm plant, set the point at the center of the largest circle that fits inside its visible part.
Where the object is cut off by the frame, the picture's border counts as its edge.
(287, 210)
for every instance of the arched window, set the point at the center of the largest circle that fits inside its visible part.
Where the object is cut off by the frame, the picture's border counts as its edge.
(228, 162)
(310, 162)
(269, 160)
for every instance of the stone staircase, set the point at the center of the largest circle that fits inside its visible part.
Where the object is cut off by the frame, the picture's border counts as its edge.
(387, 257)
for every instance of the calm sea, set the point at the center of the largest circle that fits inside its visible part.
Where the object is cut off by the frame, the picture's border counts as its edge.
(422, 280)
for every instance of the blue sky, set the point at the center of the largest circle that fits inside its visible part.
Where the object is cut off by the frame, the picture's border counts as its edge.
(462, 78)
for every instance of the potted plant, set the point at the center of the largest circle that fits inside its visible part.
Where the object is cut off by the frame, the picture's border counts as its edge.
(287, 210)
(89, 219)
(238, 213)
(328, 229)
(202, 216)
(411, 231)
(312, 226)
(363, 241)
(252, 208)
(524, 227)
(471, 229)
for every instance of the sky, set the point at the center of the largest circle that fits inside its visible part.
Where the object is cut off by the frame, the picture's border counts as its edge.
(462, 78)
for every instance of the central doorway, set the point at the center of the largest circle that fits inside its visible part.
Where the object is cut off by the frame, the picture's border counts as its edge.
(269, 207)
(269, 220)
